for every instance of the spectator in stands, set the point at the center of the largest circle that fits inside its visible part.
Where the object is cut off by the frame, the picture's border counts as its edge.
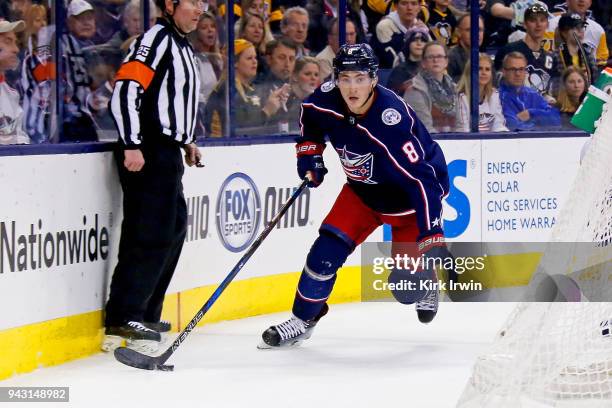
(326, 57)
(205, 42)
(523, 107)
(570, 35)
(107, 19)
(459, 54)
(376, 10)
(572, 92)
(255, 30)
(131, 23)
(20, 8)
(305, 79)
(36, 81)
(207, 52)
(35, 19)
(78, 124)
(256, 8)
(269, 9)
(11, 113)
(322, 15)
(433, 94)
(388, 39)
(502, 18)
(280, 62)
(401, 76)
(442, 21)
(594, 34)
(541, 65)
(103, 65)
(491, 117)
(249, 112)
(294, 27)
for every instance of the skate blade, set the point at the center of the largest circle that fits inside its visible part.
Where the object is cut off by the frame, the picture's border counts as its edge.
(143, 346)
(265, 346)
(110, 343)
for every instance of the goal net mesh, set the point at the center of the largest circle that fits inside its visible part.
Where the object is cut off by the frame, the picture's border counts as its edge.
(560, 354)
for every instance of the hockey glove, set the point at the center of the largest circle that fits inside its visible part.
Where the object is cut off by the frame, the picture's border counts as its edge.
(310, 161)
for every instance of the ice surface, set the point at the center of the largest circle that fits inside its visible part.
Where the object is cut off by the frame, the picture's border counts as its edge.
(360, 355)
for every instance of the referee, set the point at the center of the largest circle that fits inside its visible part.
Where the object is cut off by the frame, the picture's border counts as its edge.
(154, 107)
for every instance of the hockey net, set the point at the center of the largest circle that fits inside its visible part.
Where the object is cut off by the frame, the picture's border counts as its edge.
(560, 354)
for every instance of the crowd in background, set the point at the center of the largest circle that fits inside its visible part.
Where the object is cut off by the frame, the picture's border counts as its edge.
(536, 62)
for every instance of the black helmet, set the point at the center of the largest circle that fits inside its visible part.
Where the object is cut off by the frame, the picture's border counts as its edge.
(357, 57)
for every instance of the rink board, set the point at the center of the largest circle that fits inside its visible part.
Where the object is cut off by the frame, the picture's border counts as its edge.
(60, 219)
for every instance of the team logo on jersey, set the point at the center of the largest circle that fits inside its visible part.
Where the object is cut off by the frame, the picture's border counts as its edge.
(442, 31)
(327, 86)
(485, 122)
(238, 212)
(391, 117)
(357, 167)
(8, 126)
(538, 78)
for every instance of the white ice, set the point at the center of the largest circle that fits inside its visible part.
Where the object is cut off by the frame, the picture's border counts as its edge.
(360, 355)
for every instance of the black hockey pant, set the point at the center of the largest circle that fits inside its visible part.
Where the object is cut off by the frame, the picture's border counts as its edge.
(152, 233)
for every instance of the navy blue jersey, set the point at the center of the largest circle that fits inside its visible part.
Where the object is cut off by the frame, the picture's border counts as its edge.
(389, 158)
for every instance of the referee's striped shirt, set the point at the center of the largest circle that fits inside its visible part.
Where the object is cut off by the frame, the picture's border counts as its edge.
(156, 88)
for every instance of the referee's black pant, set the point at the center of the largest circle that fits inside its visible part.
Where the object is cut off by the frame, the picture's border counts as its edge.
(152, 232)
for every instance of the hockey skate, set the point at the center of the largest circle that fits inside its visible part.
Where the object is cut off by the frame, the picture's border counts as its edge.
(136, 336)
(290, 333)
(427, 307)
(162, 326)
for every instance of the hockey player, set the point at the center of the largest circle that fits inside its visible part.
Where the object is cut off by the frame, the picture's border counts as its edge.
(396, 174)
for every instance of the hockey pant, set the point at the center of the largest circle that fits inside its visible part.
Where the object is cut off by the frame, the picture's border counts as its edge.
(347, 225)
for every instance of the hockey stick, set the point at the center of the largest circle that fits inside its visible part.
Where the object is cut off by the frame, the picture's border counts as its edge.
(589, 74)
(135, 359)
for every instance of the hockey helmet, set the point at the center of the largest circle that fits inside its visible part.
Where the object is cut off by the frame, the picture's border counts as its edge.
(357, 57)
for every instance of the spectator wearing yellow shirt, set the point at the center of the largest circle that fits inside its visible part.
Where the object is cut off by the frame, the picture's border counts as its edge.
(594, 33)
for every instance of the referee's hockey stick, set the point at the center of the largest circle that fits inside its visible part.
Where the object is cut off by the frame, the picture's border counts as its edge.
(138, 360)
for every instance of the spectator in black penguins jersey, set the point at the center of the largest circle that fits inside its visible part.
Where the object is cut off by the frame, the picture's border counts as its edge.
(572, 50)
(442, 21)
(541, 65)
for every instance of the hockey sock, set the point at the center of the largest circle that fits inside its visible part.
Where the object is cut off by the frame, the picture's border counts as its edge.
(327, 254)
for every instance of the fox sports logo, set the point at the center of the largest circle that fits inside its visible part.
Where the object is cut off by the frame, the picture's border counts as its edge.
(238, 212)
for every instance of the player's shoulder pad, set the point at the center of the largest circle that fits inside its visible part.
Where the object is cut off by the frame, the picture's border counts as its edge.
(391, 110)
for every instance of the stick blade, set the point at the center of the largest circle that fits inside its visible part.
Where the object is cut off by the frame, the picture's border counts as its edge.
(135, 359)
